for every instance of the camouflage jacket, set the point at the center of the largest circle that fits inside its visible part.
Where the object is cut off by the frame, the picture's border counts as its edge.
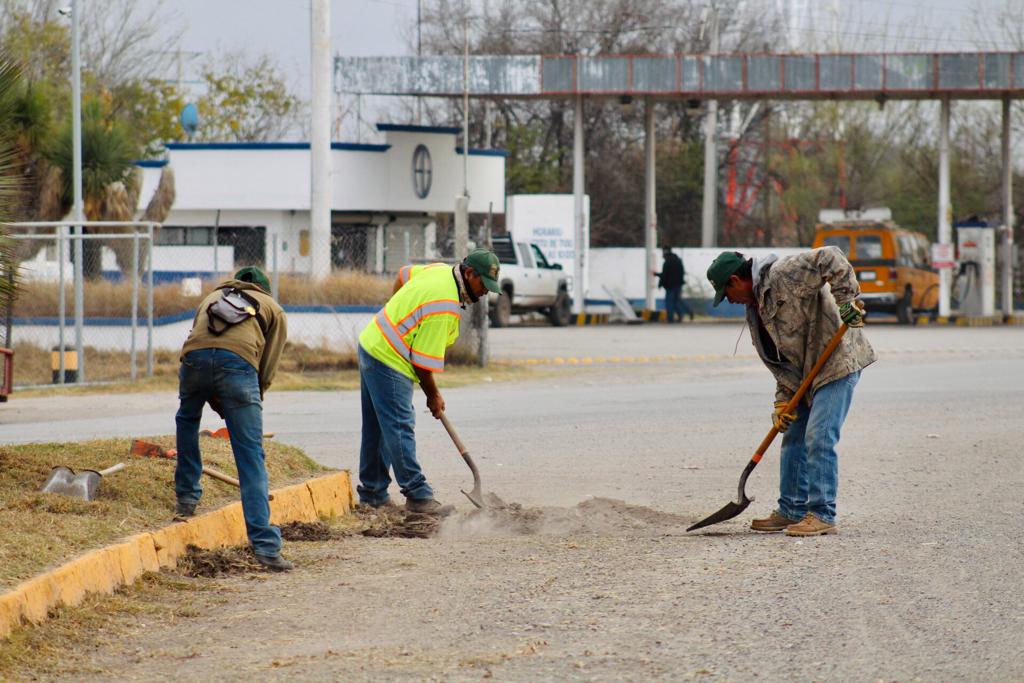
(801, 314)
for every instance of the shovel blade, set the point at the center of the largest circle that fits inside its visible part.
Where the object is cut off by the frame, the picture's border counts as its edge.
(731, 509)
(58, 480)
(476, 496)
(85, 484)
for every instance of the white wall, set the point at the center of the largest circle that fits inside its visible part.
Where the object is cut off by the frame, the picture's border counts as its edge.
(623, 268)
(262, 179)
(486, 177)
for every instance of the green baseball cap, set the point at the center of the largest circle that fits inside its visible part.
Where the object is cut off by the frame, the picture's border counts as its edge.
(485, 264)
(254, 275)
(724, 265)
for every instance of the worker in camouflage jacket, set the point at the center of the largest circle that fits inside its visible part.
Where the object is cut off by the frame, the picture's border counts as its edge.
(795, 305)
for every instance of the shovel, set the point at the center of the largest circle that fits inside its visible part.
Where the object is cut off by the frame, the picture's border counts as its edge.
(83, 485)
(146, 449)
(734, 508)
(476, 496)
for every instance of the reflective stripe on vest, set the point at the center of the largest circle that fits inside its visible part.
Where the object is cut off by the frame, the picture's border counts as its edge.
(427, 362)
(395, 334)
(409, 323)
(390, 335)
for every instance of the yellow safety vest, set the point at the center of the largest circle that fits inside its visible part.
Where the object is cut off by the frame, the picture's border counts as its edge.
(418, 323)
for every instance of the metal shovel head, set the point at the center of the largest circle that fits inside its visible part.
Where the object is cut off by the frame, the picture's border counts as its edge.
(64, 481)
(476, 496)
(731, 509)
(60, 476)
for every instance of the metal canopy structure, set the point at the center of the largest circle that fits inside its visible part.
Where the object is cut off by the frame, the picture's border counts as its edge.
(879, 76)
(863, 76)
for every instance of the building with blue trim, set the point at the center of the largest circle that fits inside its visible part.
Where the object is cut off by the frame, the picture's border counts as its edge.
(388, 201)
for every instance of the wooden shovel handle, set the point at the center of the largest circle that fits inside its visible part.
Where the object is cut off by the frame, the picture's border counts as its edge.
(110, 470)
(220, 476)
(802, 390)
(463, 451)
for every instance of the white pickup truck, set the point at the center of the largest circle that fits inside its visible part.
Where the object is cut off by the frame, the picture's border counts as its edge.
(528, 283)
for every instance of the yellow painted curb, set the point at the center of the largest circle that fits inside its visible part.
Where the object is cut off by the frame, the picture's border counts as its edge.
(105, 569)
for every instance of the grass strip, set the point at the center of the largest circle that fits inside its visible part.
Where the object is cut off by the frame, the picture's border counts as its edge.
(44, 530)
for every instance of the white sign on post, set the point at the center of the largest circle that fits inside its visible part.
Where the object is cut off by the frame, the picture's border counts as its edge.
(547, 220)
(943, 256)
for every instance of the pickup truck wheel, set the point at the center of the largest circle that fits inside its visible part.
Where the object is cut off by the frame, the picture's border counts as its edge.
(561, 311)
(501, 312)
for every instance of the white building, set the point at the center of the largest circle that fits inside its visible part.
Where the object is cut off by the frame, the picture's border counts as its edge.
(386, 201)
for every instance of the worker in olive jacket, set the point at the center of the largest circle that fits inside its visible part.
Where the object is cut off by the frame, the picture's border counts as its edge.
(229, 361)
(792, 316)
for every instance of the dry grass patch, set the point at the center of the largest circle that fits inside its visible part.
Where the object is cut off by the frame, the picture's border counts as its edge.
(44, 530)
(302, 369)
(113, 299)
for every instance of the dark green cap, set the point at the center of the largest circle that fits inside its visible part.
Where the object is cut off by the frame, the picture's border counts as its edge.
(254, 275)
(724, 265)
(485, 264)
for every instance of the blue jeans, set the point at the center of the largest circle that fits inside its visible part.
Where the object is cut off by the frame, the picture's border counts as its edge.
(389, 434)
(809, 471)
(672, 303)
(221, 374)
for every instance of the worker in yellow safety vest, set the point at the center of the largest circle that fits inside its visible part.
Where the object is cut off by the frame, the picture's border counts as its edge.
(405, 344)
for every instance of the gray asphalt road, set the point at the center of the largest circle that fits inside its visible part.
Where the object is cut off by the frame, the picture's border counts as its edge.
(918, 585)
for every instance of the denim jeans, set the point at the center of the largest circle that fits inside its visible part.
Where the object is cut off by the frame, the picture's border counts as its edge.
(809, 470)
(218, 373)
(673, 304)
(389, 434)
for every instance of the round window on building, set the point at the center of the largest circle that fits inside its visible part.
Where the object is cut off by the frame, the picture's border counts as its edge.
(422, 171)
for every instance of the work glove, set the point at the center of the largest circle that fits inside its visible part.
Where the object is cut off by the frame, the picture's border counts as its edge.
(852, 313)
(780, 418)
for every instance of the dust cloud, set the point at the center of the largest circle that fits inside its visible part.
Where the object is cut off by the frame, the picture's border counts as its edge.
(596, 516)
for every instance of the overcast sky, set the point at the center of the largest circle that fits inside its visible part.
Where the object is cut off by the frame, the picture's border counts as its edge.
(381, 27)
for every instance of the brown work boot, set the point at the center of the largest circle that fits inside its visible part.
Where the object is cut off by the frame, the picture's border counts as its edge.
(428, 506)
(811, 525)
(773, 522)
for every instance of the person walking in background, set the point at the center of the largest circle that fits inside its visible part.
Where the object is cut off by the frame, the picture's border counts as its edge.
(402, 346)
(671, 279)
(229, 361)
(792, 317)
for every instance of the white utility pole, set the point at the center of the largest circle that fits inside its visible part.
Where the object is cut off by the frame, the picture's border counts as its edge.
(578, 291)
(650, 206)
(709, 218)
(320, 140)
(462, 201)
(78, 210)
(945, 209)
(1007, 273)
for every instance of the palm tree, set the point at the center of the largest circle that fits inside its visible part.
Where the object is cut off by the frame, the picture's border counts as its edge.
(107, 155)
(10, 179)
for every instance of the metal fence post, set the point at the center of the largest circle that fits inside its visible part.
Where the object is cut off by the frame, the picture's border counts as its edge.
(61, 302)
(149, 300)
(135, 297)
(275, 280)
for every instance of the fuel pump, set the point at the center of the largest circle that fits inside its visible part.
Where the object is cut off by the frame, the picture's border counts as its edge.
(977, 271)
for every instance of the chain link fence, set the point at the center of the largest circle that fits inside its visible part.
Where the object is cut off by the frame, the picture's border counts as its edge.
(100, 332)
(129, 320)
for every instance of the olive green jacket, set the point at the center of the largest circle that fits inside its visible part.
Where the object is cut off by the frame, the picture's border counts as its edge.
(259, 343)
(798, 299)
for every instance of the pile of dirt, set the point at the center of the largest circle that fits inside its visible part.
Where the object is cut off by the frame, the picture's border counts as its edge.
(596, 516)
(307, 531)
(198, 562)
(395, 522)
